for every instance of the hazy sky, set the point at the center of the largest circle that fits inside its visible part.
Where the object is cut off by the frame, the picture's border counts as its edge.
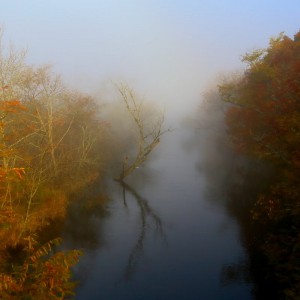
(169, 50)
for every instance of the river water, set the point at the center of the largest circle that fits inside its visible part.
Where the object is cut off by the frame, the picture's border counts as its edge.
(166, 234)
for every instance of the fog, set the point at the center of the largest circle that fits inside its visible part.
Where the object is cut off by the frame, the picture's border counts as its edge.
(177, 227)
(169, 51)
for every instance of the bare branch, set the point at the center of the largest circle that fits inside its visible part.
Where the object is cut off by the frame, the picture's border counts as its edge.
(149, 133)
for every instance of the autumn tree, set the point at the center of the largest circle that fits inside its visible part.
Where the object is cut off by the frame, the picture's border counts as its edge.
(85, 150)
(263, 122)
(50, 139)
(264, 118)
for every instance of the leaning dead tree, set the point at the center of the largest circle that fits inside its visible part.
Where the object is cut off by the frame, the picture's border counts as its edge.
(148, 131)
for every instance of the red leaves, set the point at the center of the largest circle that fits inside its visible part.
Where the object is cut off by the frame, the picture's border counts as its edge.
(265, 122)
(11, 106)
(41, 277)
(19, 172)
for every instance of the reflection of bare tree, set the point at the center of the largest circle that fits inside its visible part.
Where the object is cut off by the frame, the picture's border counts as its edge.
(147, 215)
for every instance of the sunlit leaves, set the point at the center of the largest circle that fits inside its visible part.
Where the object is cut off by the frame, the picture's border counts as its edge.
(48, 139)
(263, 122)
(265, 118)
(41, 276)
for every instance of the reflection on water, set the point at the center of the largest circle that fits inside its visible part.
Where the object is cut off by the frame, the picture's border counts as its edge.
(147, 215)
(204, 256)
(83, 226)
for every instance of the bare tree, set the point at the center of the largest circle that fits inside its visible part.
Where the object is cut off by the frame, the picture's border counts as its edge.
(148, 132)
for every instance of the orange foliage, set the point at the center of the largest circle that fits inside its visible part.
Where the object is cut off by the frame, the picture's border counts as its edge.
(11, 106)
(40, 276)
(49, 146)
(264, 122)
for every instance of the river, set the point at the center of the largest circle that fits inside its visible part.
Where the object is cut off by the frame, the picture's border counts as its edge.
(165, 234)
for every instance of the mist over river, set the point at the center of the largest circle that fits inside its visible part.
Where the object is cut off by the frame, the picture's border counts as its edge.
(165, 234)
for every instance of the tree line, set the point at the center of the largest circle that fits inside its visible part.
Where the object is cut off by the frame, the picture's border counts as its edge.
(54, 141)
(259, 110)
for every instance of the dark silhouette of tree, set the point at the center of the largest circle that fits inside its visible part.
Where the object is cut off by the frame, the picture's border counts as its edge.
(147, 216)
(263, 122)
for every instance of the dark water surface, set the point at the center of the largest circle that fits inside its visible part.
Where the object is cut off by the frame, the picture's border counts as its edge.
(165, 235)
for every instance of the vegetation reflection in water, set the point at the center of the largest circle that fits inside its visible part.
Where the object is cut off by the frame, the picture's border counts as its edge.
(259, 110)
(54, 141)
(147, 216)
